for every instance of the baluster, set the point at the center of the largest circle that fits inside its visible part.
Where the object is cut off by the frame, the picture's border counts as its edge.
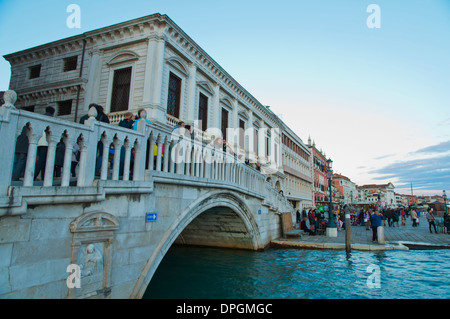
(68, 142)
(181, 155)
(82, 169)
(137, 162)
(105, 157)
(31, 158)
(151, 152)
(126, 165)
(193, 160)
(117, 145)
(159, 152)
(50, 160)
(167, 144)
(173, 154)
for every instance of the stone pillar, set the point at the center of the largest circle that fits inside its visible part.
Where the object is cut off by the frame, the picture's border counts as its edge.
(8, 125)
(50, 160)
(192, 88)
(216, 111)
(93, 84)
(159, 143)
(68, 142)
(105, 156)
(137, 163)
(116, 165)
(380, 234)
(31, 159)
(166, 158)
(251, 155)
(126, 165)
(157, 46)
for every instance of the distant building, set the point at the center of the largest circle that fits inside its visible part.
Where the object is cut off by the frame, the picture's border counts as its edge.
(319, 174)
(346, 188)
(382, 194)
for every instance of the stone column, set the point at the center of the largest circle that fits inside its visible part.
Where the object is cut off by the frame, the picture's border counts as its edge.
(157, 46)
(126, 165)
(117, 145)
(31, 159)
(50, 161)
(93, 84)
(215, 111)
(137, 163)
(159, 143)
(250, 129)
(192, 88)
(105, 156)
(68, 142)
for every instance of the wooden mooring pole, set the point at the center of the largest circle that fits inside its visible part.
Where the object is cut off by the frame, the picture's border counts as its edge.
(347, 229)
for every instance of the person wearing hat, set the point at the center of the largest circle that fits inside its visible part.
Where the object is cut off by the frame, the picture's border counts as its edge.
(430, 219)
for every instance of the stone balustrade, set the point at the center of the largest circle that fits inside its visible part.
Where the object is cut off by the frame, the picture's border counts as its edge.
(109, 155)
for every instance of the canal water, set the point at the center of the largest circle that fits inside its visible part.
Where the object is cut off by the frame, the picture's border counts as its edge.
(214, 273)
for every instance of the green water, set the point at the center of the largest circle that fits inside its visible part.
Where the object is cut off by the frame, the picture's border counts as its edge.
(214, 273)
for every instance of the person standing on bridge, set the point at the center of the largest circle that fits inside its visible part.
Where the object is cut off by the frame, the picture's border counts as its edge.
(430, 219)
(414, 217)
(42, 148)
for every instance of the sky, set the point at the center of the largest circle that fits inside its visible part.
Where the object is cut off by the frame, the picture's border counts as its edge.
(376, 100)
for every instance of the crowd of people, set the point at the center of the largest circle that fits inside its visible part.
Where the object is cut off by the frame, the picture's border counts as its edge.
(21, 151)
(312, 221)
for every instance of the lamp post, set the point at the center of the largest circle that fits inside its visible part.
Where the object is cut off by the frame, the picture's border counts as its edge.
(331, 229)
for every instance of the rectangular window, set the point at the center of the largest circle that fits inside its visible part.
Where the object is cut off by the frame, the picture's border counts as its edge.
(203, 111)
(121, 90)
(241, 133)
(267, 147)
(224, 123)
(70, 63)
(64, 107)
(35, 71)
(173, 99)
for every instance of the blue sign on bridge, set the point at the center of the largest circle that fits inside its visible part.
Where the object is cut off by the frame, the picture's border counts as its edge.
(151, 217)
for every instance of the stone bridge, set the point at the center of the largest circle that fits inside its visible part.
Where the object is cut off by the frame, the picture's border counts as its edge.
(103, 235)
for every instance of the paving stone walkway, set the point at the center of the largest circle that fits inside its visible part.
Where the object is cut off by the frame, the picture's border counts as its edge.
(361, 239)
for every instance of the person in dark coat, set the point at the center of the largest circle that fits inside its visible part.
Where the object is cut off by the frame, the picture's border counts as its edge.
(20, 155)
(376, 219)
(59, 157)
(101, 116)
(42, 149)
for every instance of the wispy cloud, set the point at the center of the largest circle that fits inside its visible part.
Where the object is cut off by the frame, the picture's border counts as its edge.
(429, 173)
(384, 156)
(439, 148)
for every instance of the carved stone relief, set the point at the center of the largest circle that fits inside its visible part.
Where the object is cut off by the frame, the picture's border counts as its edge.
(93, 234)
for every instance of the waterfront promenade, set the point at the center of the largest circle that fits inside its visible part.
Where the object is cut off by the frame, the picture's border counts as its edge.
(402, 237)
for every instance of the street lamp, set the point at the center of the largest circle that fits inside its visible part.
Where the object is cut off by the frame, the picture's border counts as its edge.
(331, 229)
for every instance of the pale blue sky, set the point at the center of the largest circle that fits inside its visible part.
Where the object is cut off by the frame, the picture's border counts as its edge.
(372, 99)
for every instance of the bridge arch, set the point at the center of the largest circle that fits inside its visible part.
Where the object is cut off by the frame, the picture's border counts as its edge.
(209, 203)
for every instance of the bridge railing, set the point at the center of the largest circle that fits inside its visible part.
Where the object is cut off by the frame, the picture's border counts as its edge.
(36, 147)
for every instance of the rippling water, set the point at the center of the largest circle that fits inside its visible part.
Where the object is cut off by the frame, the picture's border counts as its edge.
(205, 273)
